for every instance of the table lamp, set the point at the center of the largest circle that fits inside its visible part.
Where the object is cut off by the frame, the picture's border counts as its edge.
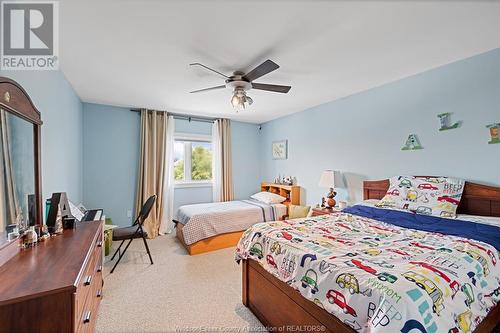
(327, 180)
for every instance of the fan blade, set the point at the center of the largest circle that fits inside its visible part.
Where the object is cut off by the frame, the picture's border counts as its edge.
(210, 69)
(208, 89)
(266, 67)
(271, 87)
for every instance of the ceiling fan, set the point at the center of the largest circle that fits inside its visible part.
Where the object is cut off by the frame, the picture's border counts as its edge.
(240, 83)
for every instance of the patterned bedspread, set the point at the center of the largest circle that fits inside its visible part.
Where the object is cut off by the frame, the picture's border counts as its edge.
(210, 219)
(378, 277)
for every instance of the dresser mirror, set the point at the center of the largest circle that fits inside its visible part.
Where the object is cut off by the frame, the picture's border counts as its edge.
(20, 196)
(17, 163)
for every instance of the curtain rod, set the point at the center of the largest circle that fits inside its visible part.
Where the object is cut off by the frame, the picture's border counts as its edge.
(185, 117)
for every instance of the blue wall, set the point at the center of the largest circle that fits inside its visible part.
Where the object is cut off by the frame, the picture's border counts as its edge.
(246, 159)
(362, 135)
(111, 153)
(194, 127)
(61, 111)
(110, 159)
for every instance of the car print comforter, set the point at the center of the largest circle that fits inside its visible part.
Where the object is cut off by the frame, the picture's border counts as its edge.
(379, 277)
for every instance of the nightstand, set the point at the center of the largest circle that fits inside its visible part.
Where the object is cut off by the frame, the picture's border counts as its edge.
(322, 211)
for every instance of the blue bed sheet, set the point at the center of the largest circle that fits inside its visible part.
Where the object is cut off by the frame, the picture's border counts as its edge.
(481, 232)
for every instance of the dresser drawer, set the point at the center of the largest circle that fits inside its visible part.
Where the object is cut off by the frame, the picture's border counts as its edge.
(88, 273)
(94, 260)
(85, 320)
(87, 312)
(87, 303)
(84, 290)
(99, 241)
(80, 303)
(89, 288)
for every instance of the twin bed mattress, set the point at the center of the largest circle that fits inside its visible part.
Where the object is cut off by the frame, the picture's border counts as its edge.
(202, 221)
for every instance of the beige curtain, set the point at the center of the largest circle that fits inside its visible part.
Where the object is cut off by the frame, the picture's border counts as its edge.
(222, 163)
(152, 166)
(9, 205)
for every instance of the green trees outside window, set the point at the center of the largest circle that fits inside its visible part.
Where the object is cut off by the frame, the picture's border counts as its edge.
(201, 161)
(179, 170)
(192, 161)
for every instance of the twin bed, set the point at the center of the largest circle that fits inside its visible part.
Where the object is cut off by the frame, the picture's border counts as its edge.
(369, 269)
(212, 226)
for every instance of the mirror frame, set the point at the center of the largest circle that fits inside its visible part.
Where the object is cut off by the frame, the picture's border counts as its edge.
(14, 99)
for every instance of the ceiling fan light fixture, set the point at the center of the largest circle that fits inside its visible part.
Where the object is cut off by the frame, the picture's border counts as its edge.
(235, 100)
(240, 82)
(240, 98)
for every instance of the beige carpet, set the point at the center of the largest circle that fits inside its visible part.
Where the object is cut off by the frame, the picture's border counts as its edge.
(178, 293)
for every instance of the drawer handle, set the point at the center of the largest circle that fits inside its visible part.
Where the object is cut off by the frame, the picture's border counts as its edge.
(86, 319)
(88, 280)
(99, 244)
(99, 293)
(99, 268)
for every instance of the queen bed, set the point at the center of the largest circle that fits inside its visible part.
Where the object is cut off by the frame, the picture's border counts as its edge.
(212, 226)
(371, 269)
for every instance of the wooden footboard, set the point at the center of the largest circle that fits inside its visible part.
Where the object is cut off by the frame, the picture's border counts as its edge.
(281, 308)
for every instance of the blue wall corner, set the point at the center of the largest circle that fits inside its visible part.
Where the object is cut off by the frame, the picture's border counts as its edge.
(110, 160)
(111, 154)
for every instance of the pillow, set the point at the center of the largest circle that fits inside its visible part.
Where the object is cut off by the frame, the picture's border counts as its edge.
(438, 196)
(369, 202)
(268, 197)
(376, 203)
(296, 212)
(490, 220)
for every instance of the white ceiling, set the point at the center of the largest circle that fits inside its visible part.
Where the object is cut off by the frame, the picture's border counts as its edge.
(136, 53)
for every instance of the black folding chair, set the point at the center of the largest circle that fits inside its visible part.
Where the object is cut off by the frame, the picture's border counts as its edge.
(134, 231)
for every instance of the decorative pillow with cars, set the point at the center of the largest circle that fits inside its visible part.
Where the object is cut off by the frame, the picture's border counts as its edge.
(438, 196)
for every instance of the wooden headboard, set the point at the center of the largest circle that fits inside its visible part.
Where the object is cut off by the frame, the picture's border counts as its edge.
(290, 192)
(476, 199)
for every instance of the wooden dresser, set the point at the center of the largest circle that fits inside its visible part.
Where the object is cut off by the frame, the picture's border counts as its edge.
(55, 286)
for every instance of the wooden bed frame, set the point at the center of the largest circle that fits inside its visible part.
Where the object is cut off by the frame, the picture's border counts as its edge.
(222, 241)
(476, 199)
(281, 308)
(209, 244)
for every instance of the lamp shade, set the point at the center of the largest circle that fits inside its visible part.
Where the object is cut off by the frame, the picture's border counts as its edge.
(327, 179)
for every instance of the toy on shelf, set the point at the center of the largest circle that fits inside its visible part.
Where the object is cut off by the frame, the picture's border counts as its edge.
(494, 129)
(412, 143)
(445, 119)
(289, 180)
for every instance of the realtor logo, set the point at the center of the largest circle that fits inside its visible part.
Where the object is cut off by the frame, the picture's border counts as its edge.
(29, 35)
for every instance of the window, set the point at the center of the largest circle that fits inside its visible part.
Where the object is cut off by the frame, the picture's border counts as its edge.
(179, 160)
(201, 160)
(192, 159)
